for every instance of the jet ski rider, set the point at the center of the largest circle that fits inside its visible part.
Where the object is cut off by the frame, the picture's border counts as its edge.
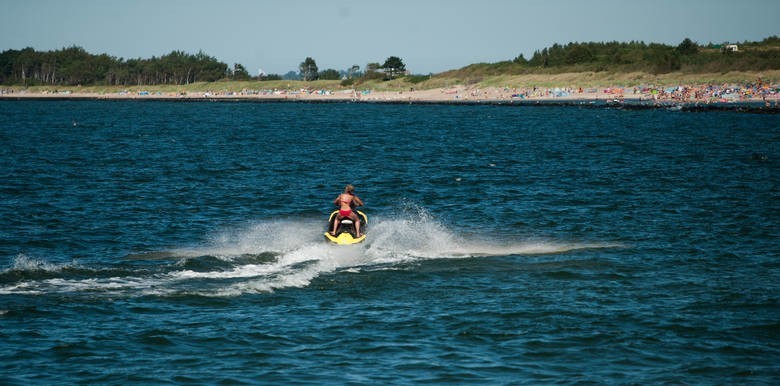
(345, 201)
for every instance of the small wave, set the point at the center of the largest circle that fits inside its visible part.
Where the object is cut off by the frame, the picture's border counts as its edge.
(24, 263)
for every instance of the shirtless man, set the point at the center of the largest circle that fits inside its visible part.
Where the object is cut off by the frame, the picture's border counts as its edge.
(345, 202)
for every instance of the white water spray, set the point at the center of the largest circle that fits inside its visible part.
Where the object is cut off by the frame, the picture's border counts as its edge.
(295, 253)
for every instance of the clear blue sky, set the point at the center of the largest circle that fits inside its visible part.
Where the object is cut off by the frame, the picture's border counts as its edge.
(429, 35)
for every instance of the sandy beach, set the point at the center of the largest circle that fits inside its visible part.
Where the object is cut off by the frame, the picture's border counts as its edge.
(766, 94)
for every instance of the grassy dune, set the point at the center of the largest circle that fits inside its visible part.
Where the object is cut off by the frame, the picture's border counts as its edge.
(606, 79)
(578, 79)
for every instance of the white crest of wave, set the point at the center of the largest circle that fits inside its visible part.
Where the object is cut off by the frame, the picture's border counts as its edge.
(23, 262)
(298, 268)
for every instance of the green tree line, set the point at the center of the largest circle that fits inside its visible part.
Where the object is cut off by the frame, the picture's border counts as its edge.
(74, 66)
(634, 56)
(393, 67)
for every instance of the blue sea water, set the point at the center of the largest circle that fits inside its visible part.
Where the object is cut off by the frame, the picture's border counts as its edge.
(182, 243)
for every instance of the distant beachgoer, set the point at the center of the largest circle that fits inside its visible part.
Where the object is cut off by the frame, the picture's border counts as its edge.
(346, 201)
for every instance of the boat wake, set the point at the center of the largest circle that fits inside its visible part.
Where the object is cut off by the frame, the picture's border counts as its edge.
(263, 257)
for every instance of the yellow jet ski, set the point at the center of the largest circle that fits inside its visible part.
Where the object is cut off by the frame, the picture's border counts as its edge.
(345, 232)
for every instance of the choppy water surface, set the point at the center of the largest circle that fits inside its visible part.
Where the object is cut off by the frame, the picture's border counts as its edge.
(154, 242)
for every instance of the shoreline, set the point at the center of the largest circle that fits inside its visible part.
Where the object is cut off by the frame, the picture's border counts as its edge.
(682, 98)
